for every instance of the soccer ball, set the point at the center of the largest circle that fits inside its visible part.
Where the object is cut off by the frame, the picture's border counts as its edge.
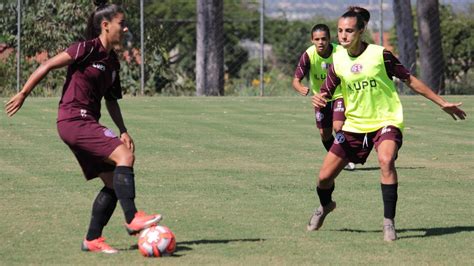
(156, 241)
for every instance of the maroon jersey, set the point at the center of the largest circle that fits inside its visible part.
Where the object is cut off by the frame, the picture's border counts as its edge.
(303, 66)
(93, 75)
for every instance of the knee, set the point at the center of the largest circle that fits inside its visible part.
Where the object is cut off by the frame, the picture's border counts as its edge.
(126, 158)
(325, 181)
(386, 162)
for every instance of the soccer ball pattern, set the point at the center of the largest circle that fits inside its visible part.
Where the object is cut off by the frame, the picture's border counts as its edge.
(156, 241)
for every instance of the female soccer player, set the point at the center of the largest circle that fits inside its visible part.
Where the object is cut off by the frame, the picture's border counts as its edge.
(314, 63)
(92, 75)
(374, 116)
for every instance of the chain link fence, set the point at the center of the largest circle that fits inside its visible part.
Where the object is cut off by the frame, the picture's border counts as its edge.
(169, 42)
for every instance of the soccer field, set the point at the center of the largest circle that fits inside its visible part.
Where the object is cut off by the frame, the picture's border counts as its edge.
(235, 180)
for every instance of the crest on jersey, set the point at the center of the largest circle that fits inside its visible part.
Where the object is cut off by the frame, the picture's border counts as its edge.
(319, 116)
(324, 65)
(340, 138)
(109, 133)
(356, 68)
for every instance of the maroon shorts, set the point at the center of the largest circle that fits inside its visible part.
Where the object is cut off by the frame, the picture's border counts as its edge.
(91, 143)
(334, 111)
(356, 147)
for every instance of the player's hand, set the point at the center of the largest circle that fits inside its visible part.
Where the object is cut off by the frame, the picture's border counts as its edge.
(128, 141)
(15, 103)
(304, 92)
(454, 111)
(319, 100)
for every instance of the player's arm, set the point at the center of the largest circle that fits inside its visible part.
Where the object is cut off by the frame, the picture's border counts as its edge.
(395, 68)
(300, 72)
(116, 114)
(299, 87)
(15, 103)
(328, 87)
(421, 88)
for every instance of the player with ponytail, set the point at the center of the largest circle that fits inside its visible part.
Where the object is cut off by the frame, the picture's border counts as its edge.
(374, 116)
(92, 74)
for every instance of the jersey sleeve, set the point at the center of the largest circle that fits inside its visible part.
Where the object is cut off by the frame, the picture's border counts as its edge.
(303, 66)
(115, 91)
(330, 83)
(80, 51)
(394, 67)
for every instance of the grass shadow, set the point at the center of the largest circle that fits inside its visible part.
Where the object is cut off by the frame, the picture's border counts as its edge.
(132, 247)
(361, 168)
(437, 231)
(183, 245)
(219, 241)
(426, 232)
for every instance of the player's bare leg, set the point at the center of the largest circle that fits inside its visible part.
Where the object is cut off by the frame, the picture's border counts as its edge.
(387, 152)
(332, 166)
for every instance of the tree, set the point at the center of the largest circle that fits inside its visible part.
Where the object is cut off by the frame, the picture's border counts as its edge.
(290, 39)
(174, 30)
(458, 42)
(209, 49)
(432, 63)
(405, 34)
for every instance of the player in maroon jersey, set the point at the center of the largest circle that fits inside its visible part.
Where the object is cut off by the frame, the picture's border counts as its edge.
(93, 74)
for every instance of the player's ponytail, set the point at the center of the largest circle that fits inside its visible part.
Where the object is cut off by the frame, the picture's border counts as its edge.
(104, 11)
(364, 13)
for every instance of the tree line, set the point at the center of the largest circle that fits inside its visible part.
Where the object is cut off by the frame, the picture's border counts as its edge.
(182, 38)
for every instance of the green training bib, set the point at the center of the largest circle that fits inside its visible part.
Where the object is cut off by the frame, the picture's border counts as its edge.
(370, 96)
(318, 69)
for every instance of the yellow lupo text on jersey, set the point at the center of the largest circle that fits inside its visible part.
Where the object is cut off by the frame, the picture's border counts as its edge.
(361, 85)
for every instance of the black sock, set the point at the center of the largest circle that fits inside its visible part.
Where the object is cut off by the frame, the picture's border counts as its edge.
(389, 196)
(102, 209)
(124, 185)
(328, 143)
(325, 195)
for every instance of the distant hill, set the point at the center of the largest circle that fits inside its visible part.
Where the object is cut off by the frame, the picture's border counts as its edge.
(332, 9)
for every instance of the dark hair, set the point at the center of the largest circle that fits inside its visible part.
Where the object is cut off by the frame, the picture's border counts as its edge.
(103, 12)
(360, 20)
(364, 13)
(320, 27)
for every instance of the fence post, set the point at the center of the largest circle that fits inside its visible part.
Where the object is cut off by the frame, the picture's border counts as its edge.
(262, 11)
(381, 24)
(18, 47)
(142, 48)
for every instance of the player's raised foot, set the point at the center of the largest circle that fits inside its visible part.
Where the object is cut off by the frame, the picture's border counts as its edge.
(317, 219)
(142, 221)
(389, 233)
(350, 166)
(97, 245)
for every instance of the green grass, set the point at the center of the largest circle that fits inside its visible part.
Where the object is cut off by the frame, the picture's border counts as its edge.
(234, 179)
